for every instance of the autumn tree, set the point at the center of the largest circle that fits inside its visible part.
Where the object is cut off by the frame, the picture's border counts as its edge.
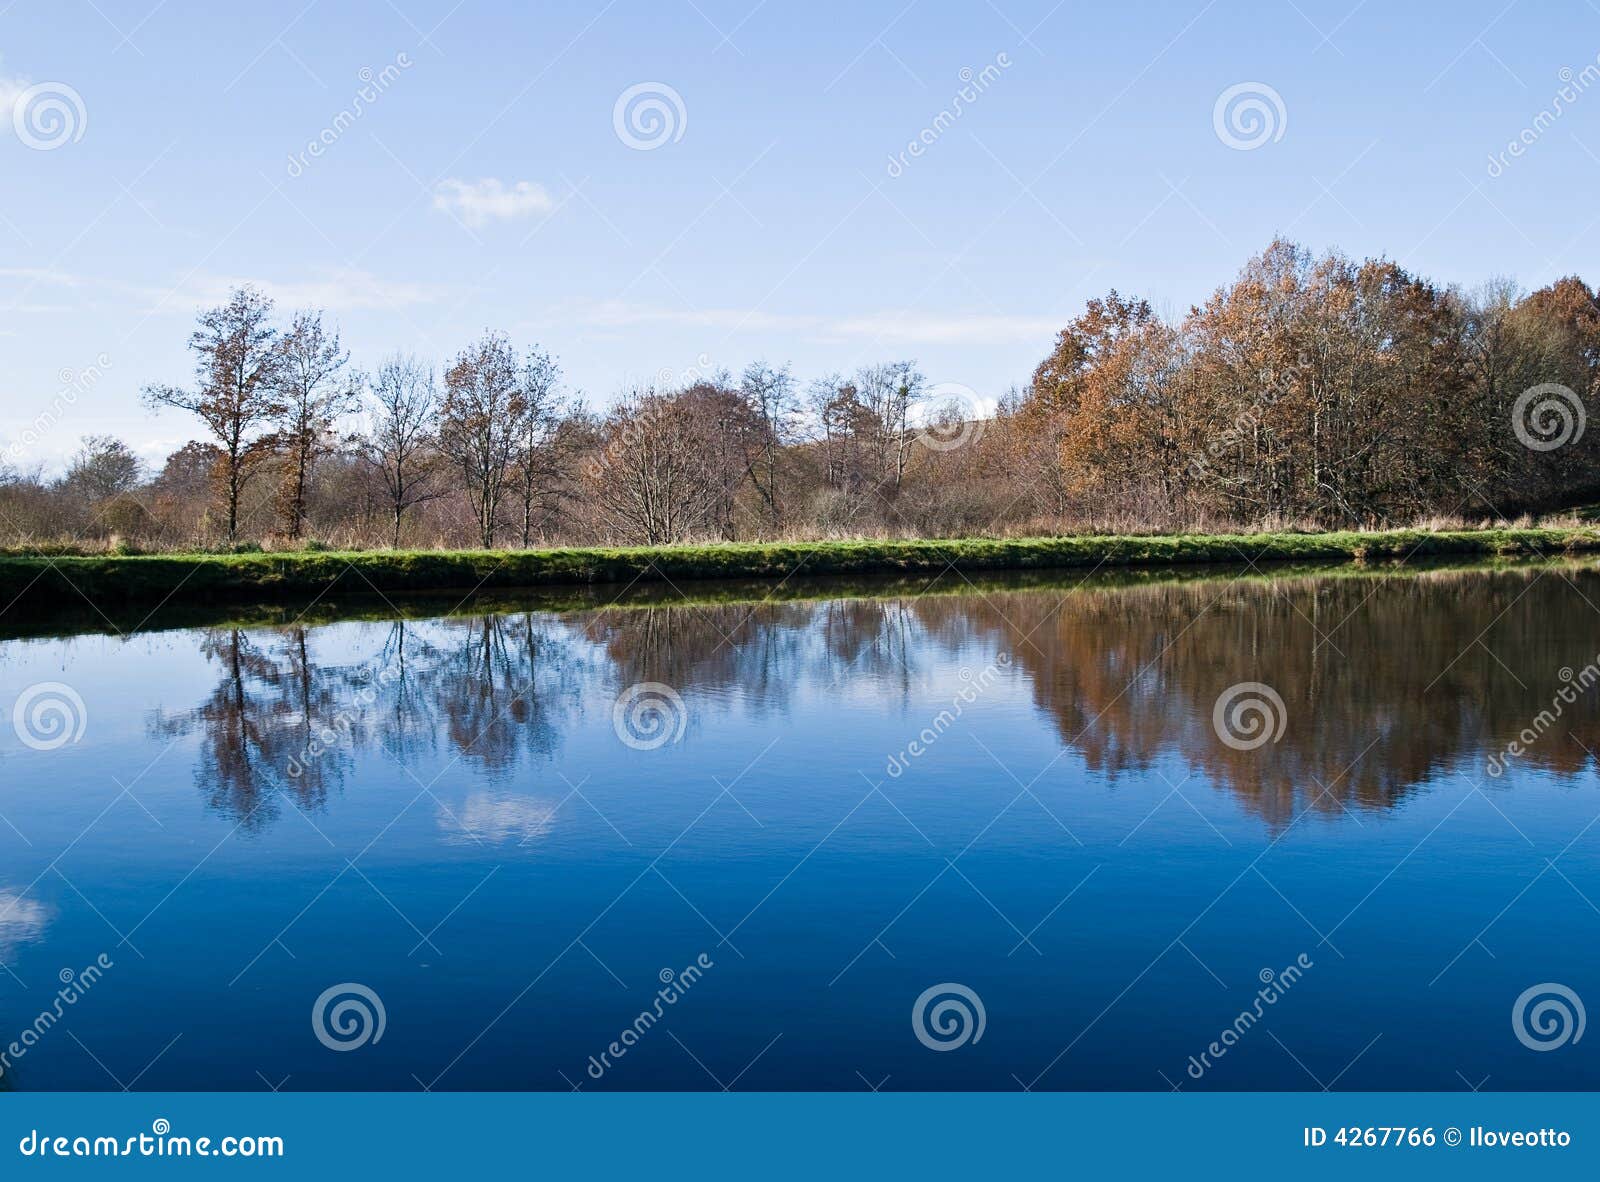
(237, 362)
(314, 391)
(481, 425)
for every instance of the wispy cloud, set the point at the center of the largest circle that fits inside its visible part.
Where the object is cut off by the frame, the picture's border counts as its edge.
(896, 327)
(479, 202)
(11, 88)
(338, 289)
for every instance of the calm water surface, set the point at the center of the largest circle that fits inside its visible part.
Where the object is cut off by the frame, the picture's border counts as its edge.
(839, 804)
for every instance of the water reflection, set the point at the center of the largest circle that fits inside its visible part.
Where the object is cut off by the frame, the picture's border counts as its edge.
(21, 920)
(1386, 682)
(282, 721)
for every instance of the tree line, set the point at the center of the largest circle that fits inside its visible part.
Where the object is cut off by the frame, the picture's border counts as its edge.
(1310, 391)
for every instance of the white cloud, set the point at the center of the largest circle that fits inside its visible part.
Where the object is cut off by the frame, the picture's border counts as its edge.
(478, 202)
(496, 820)
(21, 920)
(10, 89)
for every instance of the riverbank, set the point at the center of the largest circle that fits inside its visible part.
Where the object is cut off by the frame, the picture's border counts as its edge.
(27, 579)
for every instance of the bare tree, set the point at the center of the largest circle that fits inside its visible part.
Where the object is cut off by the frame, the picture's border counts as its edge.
(400, 445)
(534, 461)
(236, 374)
(770, 393)
(654, 486)
(103, 467)
(480, 425)
(314, 393)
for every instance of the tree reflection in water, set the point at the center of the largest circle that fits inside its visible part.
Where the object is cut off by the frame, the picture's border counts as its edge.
(1386, 682)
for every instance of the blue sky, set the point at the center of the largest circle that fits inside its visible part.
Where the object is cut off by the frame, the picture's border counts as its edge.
(486, 184)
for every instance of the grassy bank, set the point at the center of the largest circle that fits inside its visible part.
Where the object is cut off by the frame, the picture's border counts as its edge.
(204, 578)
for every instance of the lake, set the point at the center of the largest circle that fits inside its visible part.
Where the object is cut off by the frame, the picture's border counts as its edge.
(1224, 831)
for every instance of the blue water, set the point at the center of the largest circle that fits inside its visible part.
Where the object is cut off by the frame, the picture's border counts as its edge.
(512, 870)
